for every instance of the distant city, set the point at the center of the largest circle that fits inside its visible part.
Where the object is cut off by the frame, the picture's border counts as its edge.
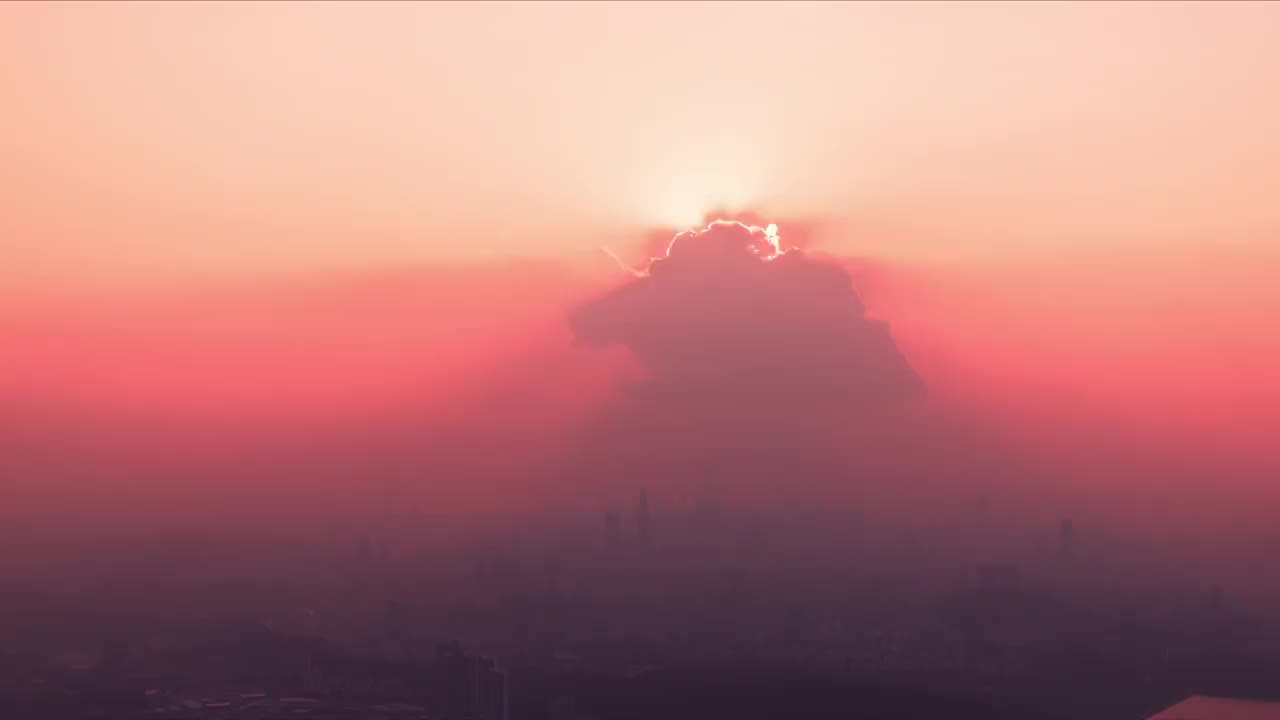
(640, 609)
(618, 360)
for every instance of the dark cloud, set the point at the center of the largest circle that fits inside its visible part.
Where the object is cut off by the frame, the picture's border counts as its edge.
(752, 351)
(727, 313)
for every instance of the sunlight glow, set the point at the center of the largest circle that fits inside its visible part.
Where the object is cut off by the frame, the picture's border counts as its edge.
(688, 197)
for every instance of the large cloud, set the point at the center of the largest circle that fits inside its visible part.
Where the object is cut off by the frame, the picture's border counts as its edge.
(751, 351)
(728, 313)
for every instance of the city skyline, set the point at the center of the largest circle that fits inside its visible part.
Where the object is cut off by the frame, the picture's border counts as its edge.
(623, 360)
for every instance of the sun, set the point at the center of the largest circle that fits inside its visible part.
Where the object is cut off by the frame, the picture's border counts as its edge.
(686, 198)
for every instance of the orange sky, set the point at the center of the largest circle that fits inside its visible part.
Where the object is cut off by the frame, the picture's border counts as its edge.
(149, 141)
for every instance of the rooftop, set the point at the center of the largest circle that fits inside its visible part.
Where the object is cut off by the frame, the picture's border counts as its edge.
(1203, 707)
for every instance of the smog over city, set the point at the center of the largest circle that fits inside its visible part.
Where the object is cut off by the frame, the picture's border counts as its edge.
(595, 361)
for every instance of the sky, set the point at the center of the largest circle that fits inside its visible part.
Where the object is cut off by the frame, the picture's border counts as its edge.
(150, 141)
(226, 223)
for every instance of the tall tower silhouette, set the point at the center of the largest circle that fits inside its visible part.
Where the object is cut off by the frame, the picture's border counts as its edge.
(1066, 538)
(612, 529)
(704, 503)
(642, 518)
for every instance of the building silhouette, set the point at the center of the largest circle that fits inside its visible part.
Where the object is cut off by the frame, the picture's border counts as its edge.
(612, 529)
(704, 503)
(642, 518)
(563, 707)
(473, 687)
(490, 689)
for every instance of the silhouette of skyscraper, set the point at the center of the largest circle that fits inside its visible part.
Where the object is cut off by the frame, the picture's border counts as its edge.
(642, 517)
(491, 689)
(704, 503)
(473, 687)
(612, 529)
(1066, 537)
(756, 535)
(563, 708)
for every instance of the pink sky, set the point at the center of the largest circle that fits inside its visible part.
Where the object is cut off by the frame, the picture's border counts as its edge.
(256, 211)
